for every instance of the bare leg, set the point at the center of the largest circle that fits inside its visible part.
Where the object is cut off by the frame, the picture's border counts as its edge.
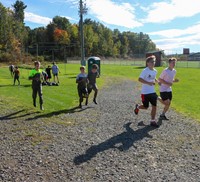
(153, 112)
(142, 107)
(166, 107)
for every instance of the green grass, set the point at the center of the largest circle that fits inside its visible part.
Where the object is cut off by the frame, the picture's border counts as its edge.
(57, 98)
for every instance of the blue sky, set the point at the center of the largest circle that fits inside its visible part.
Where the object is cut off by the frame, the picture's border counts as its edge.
(171, 24)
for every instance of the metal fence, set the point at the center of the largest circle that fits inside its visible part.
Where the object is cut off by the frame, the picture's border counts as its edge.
(141, 62)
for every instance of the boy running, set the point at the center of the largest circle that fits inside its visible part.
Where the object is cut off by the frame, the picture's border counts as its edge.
(16, 74)
(148, 94)
(92, 75)
(166, 80)
(37, 78)
(82, 81)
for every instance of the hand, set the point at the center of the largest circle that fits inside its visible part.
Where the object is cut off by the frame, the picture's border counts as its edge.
(176, 80)
(151, 83)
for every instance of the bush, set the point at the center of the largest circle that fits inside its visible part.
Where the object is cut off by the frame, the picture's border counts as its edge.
(6, 57)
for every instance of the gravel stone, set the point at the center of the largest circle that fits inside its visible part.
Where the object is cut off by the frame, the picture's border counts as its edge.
(104, 142)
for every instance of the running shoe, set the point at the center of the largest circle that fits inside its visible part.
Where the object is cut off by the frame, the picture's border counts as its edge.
(154, 124)
(163, 117)
(94, 100)
(136, 110)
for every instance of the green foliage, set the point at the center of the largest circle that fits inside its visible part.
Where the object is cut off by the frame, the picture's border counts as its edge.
(19, 8)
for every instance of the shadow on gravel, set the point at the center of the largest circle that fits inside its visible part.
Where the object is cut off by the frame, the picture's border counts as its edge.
(15, 115)
(56, 113)
(126, 139)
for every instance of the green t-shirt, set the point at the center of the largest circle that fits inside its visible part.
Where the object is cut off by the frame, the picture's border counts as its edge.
(36, 75)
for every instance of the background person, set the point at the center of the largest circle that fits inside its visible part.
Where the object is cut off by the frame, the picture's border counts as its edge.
(16, 74)
(55, 70)
(48, 71)
(11, 69)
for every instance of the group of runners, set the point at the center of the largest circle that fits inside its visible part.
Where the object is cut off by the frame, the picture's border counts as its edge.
(87, 82)
(148, 93)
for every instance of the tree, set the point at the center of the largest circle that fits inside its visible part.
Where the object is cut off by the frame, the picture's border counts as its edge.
(19, 8)
(61, 36)
(62, 23)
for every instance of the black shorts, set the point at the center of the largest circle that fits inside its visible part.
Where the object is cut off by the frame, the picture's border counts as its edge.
(166, 95)
(82, 92)
(91, 87)
(55, 74)
(149, 98)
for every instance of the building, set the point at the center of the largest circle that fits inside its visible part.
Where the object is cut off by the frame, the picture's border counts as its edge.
(194, 56)
(158, 55)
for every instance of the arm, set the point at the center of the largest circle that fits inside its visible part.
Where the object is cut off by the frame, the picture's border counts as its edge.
(164, 82)
(146, 82)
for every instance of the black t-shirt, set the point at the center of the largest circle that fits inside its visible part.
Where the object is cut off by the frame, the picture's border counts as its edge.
(92, 77)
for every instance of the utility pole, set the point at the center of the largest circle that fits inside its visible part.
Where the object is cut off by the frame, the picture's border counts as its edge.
(82, 11)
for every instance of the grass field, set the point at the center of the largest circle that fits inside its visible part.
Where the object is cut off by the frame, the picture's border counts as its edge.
(56, 98)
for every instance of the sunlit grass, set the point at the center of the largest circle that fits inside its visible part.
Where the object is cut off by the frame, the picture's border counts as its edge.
(185, 93)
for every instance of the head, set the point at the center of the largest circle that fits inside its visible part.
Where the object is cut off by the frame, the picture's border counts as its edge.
(16, 67)
(151, 60)
(37, 65)
(54, 63)
(49, 66)
(82, 69)
(172, 62)
(94, 68)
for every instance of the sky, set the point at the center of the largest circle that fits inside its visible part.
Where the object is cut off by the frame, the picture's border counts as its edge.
(171, 24)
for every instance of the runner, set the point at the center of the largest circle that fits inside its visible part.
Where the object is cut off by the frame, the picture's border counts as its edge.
(167, 79)
(37, 78)
(148, 94)
(82, 81)
(92, 75)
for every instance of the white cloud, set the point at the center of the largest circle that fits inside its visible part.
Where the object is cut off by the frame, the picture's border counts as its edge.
(178, 43)
(112, 13)
(170, 33)
(162, 12)
(31, 17)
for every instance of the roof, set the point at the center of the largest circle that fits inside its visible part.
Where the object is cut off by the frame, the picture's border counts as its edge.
(94, 58)
(153, 52)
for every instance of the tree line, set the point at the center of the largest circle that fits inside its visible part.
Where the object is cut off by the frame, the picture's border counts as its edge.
(61, 38)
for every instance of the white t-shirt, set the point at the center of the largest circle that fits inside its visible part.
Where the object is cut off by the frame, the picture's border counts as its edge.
(167, 75)
(149, 76)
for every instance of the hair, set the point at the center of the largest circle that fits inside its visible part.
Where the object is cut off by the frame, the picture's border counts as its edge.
(151, 58)
(82, 67)
(172, 59)
(95, 66)
(36, 63)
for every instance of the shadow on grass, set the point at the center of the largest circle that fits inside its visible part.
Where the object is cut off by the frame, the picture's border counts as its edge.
(56, 113)
(125, 140)
(28, 85)
(15, 115)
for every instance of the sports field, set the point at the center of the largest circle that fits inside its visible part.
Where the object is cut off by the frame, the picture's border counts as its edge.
(186, 92)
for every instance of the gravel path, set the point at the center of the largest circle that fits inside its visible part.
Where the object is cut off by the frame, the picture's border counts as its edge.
(104, 142)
